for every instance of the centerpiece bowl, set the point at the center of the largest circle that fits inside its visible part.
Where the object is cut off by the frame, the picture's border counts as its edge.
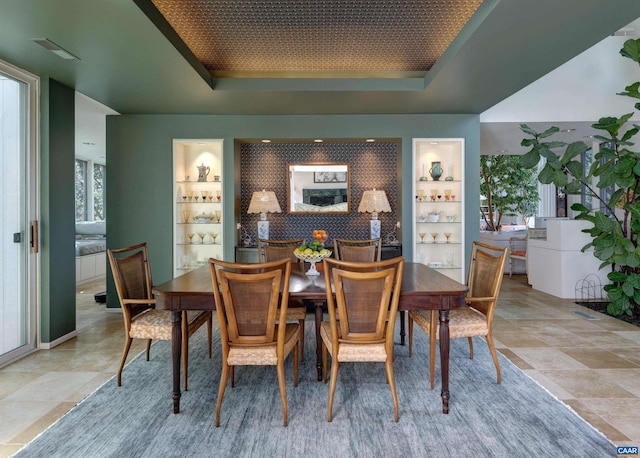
(312, 258)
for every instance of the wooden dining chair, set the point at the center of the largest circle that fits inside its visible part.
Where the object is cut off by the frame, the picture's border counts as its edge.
(357, 250)
(274, 250)
(366, 299)
(251, 302)
(132, 276)
(484, 279)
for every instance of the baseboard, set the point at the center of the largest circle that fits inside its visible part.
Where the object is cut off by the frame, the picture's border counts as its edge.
(58, 341)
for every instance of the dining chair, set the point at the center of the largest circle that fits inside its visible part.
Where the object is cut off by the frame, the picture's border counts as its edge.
(366, 300)
(484, 279)
(132, 277)
(251, 302)
(274, 250)
(357, 250)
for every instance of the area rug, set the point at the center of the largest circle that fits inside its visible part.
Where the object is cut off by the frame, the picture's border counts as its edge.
(516, 418)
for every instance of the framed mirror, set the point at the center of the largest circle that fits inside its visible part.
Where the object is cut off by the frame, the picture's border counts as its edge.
(318, 188)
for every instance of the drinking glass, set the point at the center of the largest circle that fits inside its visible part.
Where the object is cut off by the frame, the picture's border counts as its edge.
(447, 235)
(449, 258)
(218, 215)
(204, 195)
(214, 235)
(434, 193)
(185, 216)
(202, 235)
(447, 194)
(422, 234)
(210, 197)
(218, 196)
(435, 236)
(190, 195)
(190, 235)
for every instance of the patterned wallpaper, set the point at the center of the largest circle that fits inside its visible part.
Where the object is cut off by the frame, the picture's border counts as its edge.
(264, 166)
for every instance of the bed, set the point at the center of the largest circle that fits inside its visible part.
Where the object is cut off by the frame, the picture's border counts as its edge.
(91, 247)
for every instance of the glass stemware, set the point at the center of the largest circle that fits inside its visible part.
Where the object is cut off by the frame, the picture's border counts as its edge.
(447, 194)
(435, 236)
(190, 235)
(434, 193)
(202, 235)
(422, 234)
(447, 235)
(185, 216)
(218, 215)
(218, 196)
(190, 195)
(210, 197)
(214, 235)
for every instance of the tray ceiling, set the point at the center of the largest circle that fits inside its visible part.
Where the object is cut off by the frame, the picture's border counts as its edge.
(240, 36)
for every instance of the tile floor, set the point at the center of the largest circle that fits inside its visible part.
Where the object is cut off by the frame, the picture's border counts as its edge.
(591, 365)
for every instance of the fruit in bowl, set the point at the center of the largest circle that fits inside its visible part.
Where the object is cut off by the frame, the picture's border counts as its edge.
(314, 249)
(320, 235)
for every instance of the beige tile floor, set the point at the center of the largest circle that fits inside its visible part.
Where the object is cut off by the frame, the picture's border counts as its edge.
(591, 365)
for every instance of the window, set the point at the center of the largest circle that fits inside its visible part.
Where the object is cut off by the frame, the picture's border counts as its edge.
(81, 190)
(99, 181)
(90, 181)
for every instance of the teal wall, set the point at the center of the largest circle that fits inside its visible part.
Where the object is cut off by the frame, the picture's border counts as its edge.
(57, 214)
(140, 157)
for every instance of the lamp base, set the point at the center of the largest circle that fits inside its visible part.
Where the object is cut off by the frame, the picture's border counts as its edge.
(374, 224)
(263, 229)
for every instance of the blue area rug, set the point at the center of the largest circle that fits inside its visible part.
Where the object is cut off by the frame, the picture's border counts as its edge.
(515, 419)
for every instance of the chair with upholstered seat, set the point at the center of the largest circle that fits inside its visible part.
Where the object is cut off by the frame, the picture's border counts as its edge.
(366, 300)
(357, 250)
(273, 250)
(486, 270)
(251, 302)
(132, 277)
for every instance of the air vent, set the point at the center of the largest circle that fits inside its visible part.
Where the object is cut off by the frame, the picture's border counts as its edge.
(54, 48)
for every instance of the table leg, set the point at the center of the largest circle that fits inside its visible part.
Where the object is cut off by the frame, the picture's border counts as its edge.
(444, 359)
(402, 328)
(176, 350)
(318, 305)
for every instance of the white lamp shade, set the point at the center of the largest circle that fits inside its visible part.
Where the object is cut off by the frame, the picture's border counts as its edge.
(374, 202)
(264, 202)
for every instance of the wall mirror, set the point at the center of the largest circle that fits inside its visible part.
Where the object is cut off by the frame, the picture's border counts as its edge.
(318, 188)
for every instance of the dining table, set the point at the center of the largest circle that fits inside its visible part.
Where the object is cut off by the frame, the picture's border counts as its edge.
(423, 288)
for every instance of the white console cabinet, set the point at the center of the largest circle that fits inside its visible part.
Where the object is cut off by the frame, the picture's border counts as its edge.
(557, 265)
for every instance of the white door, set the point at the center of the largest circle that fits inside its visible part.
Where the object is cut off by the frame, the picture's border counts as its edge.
(18, 212)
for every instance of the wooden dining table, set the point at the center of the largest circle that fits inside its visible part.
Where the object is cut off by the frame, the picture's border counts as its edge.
(423, 288)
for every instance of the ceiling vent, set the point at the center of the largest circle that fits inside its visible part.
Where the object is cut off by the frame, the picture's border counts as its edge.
(54, 48)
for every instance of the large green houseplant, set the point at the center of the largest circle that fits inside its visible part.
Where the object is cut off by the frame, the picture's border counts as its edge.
(614, 238)
(508, 189)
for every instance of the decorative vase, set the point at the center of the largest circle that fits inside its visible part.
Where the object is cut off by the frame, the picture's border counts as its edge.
(436, 170)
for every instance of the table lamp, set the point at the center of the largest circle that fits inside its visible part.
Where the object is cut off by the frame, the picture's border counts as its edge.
(264, 202)
(374, 202)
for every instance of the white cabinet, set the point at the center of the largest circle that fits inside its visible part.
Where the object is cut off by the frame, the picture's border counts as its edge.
(198, 203)
(438, 210)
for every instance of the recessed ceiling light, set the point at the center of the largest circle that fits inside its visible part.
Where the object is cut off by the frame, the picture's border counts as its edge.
(371, 140)
(435, 143)
(317, 140)
(567, 130)
(54, 48)
(502, 151)
(266, 141)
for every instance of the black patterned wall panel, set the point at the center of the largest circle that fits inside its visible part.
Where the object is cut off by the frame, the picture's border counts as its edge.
(264, 166)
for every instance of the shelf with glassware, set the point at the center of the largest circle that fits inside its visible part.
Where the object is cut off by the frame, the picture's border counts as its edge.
(198, 206)
(438, 210)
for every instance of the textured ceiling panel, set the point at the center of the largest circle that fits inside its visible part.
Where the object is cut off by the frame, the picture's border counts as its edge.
(317, 35)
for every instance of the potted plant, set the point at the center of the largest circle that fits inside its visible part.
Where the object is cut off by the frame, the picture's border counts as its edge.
(509, 189)
(615, 230)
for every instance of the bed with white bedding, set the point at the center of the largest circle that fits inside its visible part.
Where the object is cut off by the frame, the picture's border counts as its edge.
(91, 247)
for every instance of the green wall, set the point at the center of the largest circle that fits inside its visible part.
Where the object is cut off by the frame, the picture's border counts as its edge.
(139, 168)
(57, 215)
